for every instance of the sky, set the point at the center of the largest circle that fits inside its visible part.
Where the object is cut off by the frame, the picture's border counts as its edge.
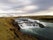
(26, 6)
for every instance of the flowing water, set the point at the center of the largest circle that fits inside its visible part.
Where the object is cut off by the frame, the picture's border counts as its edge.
(46, 32)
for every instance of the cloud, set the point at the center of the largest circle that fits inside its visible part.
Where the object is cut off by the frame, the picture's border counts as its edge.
(25, 6)
(4, 7)
(43, 4)
(30, 7)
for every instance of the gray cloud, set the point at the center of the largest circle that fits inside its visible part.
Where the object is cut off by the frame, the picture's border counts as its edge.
(42, 5)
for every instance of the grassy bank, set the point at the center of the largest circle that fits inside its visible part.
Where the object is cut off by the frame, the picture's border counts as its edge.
(9, 32)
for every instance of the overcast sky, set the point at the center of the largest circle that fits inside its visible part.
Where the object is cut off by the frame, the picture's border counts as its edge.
(25, 6)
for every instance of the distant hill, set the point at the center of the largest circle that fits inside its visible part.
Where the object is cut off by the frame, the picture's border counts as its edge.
(39, 17)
